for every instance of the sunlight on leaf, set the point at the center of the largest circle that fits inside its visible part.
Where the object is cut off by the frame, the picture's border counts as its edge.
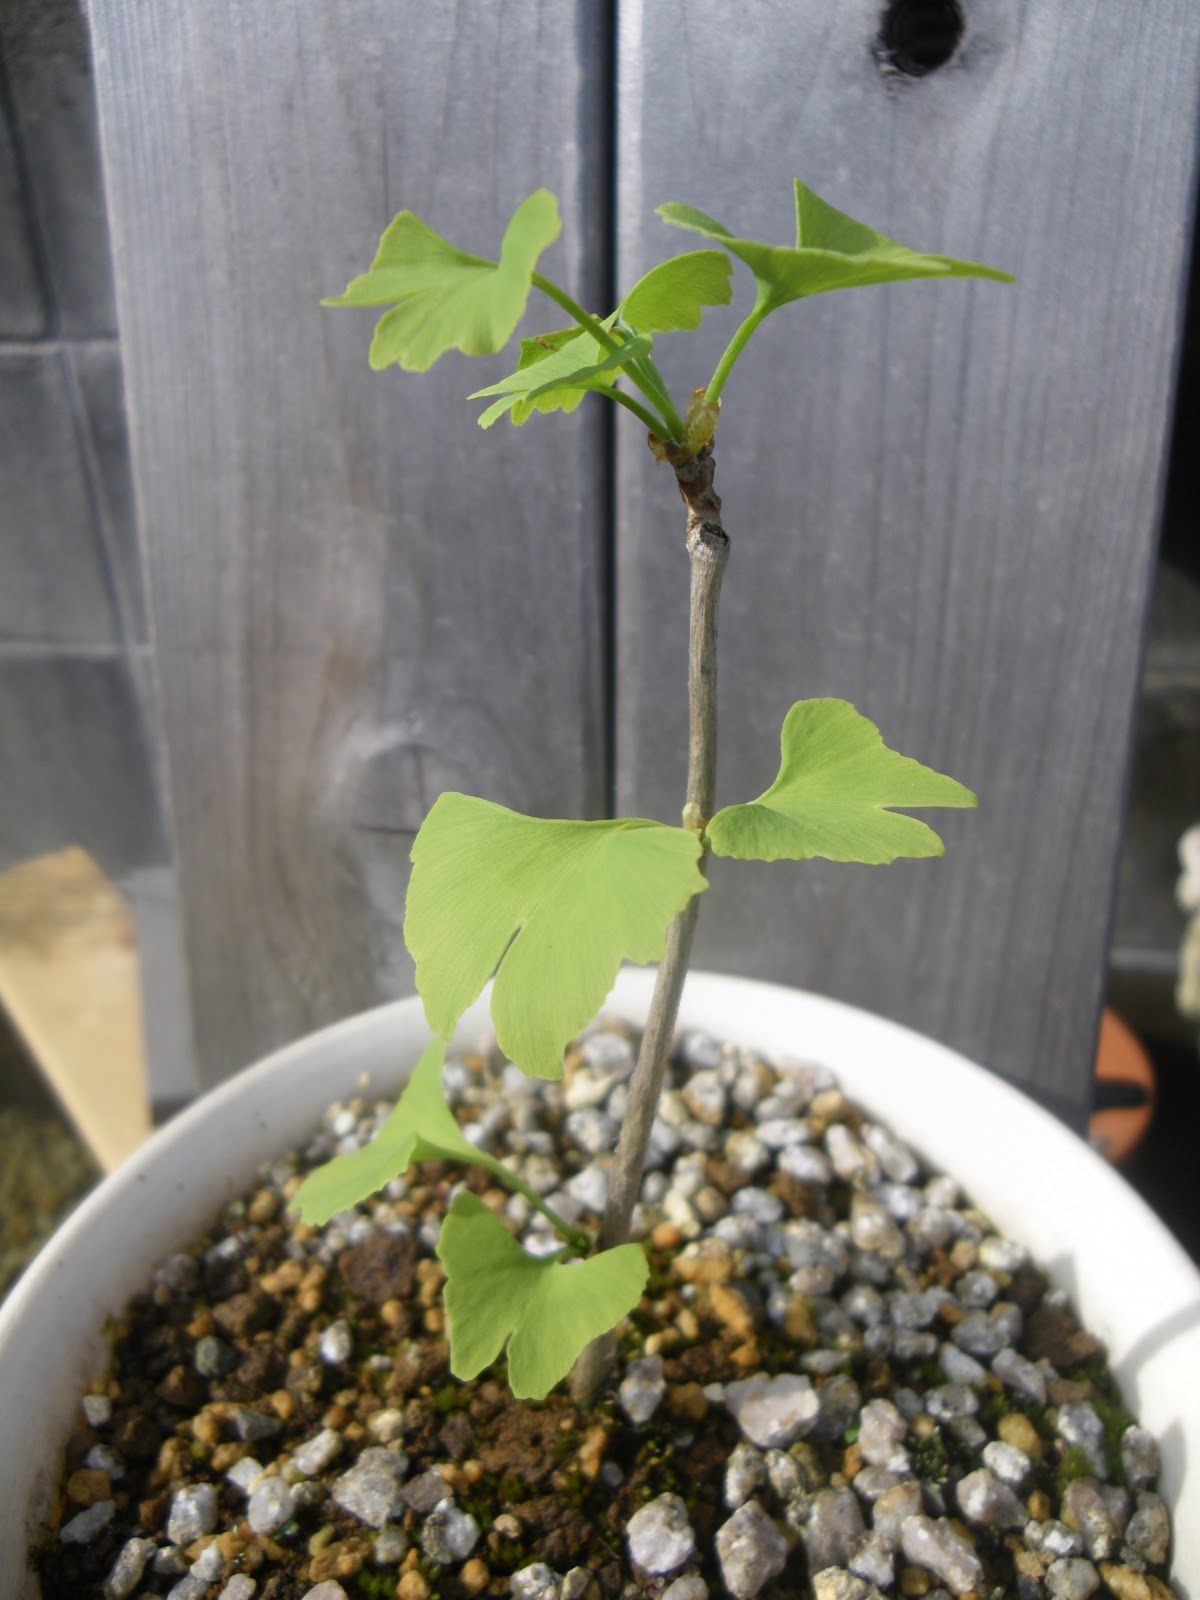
(558, 379)
(449, 299)
(545, 1308)
(836, 781)
(555, 905)
(832, 251)
(421, 1127)
(673, 294)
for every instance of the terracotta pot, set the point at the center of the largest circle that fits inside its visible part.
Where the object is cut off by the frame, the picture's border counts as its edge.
(1130, 1280)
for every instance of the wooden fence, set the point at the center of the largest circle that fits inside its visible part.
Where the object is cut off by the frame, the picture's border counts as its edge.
(942, 497)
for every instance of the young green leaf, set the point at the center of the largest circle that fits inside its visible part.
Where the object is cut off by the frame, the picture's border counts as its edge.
(832, 251)
(673, 294)
(559, 379)
(546, 1309)
(836, 781)
(447, 298)
(556, 905)
(421, 1127)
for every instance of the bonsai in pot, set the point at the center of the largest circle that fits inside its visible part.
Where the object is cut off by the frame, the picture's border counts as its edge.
(554, 906)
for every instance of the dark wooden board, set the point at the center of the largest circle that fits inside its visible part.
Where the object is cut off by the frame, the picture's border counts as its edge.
(355, 598)
(942, 497)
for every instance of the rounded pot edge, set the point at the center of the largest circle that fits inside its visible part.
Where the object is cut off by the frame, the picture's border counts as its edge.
(1075, 1219)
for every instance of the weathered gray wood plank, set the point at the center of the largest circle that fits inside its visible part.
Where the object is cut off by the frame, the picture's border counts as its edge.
(76, 767)
(353, 593)
(53, 580)
(942, 498)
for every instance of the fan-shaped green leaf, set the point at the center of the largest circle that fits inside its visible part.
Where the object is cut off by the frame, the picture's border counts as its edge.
(832, 251)
(673, 294)
(447, 298)
(837, 780)
(421, 1127)
(560, 377)
(555, 905)
(545, 1308)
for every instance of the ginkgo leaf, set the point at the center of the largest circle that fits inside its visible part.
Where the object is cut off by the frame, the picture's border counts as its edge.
(555, 905)
(421, 1127)
(832, 251)
(673, 294)
(447, 298)
(560, 379)
(837, 782)
(546, 1309)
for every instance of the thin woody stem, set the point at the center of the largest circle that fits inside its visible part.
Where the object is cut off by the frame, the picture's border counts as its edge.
(708, 551)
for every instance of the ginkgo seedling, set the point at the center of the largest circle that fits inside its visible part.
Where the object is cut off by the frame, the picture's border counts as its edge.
(549, 907)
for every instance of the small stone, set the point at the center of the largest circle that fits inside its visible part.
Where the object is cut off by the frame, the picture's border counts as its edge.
(893, 1508)
(958, 1366)
(97, 1410)
(252, 1425)
(1072, 1578)
(422, 1493)
(127, 1570)
(989, 1503)
(771, 1412)
(336, 1344)
(835, 1583)
(412, 1586)
(806, 1164)
(87, 1485)
(977, 1289)
(387, 1426)
(370, 1490)
(642, 1389)
(691, 1586)
(391, 1546)
(1085, 1507)
(982, 1333)
(881, 1436)
(591, 1131)
(705, 1097)
(1016, 1429)
(474, 1576)
(589, 1187)
(1053, 1539)
(448, 1535)
(896, 1159)
(1002, 1255)
(212, 1357)
(209, 1564)
(660, 1536)
(845, 1151)
(950, 1400)
(745, 1472)
(839, 1400)
(240, 1587)
(189, 1587)
(872, 1557)
(244, 1473)
(750, 1549)
(315, 1454)
(936, 1545)
(193, 1513)
(331, 1589)
(1010, 1465)
(744, 1149)
(536, 1582)
(83, 1528)
(1149, 1530)
(271, 1505)
(1079, 1425)
(1125, 1582)
(831, 1528)
(1139, 1457)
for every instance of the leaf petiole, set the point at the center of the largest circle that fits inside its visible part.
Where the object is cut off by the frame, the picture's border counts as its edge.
(734, 349)
(577, 1239)
(604, 338)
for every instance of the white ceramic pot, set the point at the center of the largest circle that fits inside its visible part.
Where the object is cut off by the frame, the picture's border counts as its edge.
(1131, 1282)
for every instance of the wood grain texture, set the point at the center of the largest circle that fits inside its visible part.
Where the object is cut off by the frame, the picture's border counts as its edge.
(942, 498)
(356, 600)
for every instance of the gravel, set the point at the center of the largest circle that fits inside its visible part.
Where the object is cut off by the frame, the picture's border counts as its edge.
(842, 1382)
